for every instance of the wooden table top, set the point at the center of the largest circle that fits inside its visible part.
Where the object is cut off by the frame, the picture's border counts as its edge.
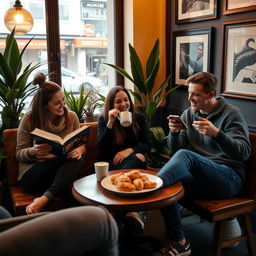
(90, 192)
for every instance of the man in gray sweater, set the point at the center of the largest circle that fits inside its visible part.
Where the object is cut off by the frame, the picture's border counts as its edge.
(208, 155)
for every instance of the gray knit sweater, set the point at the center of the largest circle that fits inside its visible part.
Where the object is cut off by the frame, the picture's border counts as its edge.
(231, 147)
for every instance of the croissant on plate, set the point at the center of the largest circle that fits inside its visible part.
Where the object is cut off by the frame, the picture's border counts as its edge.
(131, 181)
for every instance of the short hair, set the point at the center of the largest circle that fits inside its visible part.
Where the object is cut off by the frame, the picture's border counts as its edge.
(207, 80)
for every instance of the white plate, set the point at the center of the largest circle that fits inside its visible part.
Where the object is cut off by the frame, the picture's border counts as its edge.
(107, 184)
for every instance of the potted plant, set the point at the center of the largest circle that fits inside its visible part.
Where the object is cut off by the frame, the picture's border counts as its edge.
(14, 86)
(76, 103)
(144, 94)
(159, 150)
(95, 100)
(84, 104)
(145, 84)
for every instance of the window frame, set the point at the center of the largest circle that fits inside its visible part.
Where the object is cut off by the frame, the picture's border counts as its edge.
(53, 39)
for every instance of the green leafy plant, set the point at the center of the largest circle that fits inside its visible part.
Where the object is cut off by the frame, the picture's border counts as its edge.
(14, 86)
(85, 103)
(77, 103)
(94, 100)
(159, 147)
(145, 84)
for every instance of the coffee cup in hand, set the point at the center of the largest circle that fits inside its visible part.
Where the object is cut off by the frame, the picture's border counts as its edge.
(125, 118)
(101, 170)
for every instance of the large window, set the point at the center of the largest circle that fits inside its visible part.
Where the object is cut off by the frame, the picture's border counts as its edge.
(86, 40)
(79, 42)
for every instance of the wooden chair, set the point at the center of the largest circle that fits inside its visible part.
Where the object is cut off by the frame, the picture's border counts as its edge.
(218, 211)
(21, 199)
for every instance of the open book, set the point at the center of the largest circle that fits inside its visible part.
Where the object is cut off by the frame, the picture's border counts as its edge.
(62, 146)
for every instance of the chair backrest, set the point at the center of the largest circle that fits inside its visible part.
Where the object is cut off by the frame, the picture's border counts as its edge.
(92, 150)
(250, 185)
(10, 142)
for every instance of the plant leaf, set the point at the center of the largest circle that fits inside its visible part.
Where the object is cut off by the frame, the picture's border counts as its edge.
(136, 70)
(6, 71)
(136, 96)
(121, 71)
(150, 82)
(151, 109)
(153, 59)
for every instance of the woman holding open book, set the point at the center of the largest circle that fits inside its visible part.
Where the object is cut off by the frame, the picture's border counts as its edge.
(39, 171)
(124, 146)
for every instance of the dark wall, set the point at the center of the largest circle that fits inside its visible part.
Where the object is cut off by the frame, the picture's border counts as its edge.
(178, 101)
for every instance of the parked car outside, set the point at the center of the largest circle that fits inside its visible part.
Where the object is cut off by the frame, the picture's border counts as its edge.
(72, 81)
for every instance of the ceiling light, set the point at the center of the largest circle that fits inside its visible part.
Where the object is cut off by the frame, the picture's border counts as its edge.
(19, 18)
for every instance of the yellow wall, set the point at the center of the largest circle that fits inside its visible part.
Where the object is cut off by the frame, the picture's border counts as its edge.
(149, 24)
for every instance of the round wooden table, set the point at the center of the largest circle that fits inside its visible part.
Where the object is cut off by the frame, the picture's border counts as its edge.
(90, 192)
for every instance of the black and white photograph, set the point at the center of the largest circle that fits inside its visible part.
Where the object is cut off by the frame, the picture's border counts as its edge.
(195, 10)
(192, 48)
(235, 6)
(240, 60)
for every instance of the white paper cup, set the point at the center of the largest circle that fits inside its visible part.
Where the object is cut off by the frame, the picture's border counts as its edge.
(101, 170)
(125, 118)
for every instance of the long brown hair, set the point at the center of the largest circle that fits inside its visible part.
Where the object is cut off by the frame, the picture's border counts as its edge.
(38, 115)
(119, 134)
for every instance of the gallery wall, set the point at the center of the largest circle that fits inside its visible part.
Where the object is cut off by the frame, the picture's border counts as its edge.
(178, 100)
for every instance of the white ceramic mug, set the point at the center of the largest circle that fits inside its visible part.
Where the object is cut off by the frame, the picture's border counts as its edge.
(101, 170)
(125, 118)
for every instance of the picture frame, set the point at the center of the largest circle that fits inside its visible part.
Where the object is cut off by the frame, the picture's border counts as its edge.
(191, 53)
(239, 66)
(236, 6)
(195, 10)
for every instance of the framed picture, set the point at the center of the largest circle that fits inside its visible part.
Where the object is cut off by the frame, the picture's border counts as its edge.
(195, 10)
(191, 53)
(235, 6)
(239, 67)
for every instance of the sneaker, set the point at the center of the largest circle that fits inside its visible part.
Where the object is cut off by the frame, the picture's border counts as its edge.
(135, 222)
(176, 249)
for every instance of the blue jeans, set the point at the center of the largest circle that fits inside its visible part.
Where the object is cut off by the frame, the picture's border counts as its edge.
(198, 175)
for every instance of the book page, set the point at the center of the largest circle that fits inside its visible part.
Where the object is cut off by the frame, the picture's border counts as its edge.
(47, 135)
(72, 134)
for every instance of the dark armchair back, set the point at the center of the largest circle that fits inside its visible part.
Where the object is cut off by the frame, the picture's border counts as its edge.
(251, 171)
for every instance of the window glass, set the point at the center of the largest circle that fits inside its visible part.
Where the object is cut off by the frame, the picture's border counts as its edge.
(36, 51)
(86, 40)
(37, 9)
(63, 10)
(86, 28)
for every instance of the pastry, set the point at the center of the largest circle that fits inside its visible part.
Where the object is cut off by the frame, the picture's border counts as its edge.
(123, 178)
(114, 177)
(138, 183)
(126, 186)
(134, 174)
(149, 184)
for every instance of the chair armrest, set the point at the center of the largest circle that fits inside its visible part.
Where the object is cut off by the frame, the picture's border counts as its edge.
(165, 156)
(12, 222)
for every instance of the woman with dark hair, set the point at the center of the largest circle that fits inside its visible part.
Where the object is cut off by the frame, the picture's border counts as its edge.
(122, 147)
(39, 171)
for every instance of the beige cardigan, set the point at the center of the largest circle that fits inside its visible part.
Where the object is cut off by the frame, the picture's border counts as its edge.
(24, 147)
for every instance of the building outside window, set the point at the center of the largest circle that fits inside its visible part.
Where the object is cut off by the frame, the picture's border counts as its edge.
(85, 32)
